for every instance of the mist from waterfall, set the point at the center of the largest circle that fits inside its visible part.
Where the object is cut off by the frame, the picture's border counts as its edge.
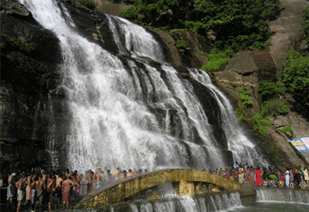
(127, 113)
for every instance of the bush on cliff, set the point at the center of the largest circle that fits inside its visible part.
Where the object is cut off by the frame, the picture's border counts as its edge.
(269, 90)
(296, 75)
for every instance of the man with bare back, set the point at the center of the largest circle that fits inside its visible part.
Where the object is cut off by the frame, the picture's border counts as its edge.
(20, 193)
(76, 179)
(39, 186)
(51, 189)
(66, 188)
(90, 179)
(59, 180)
(11, 190)
(28, 188)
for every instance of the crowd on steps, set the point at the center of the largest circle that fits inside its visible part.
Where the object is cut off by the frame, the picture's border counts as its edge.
(256, 176)
(40, 190)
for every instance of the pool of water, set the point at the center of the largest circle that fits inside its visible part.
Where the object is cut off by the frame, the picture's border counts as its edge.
(273, 207)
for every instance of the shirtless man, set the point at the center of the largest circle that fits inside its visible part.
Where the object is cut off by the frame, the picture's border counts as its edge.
(96, 176)
(122, 175)
(130, 173)
(66, 188)
(76, 188)
(40, 185)
(59, 180)
(28, 188)
(51, 189)
(20, 193)
(116, 173)
(11, 188)
(89, 178)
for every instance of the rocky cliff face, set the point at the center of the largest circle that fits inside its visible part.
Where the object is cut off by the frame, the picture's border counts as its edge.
(29, 77)
(248, 69)
(30, 95)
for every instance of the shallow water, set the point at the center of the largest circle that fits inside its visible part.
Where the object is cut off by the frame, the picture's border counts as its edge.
(273, 207)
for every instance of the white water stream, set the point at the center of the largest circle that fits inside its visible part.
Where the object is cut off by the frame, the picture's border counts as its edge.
(113, 122)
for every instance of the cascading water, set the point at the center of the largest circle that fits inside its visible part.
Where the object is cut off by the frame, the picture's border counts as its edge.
(225, 202)
(127, 113)
(282, 195)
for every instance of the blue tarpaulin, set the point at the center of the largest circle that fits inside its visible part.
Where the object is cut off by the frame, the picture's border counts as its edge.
(301, 144)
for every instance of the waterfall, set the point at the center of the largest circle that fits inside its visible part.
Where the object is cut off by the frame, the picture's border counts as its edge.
(217, 202)
(127, 113)
(282, 195)
(238, 143)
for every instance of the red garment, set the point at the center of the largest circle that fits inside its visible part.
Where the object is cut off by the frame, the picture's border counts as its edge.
(236, 174)
(227, 175)
(281, 177)
(258, 174)
(65, 194)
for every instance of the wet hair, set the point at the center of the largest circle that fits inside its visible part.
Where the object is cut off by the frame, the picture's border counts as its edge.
(13, 180)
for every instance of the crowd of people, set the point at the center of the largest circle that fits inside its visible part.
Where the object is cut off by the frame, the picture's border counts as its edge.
(51, 188)
(256, 176)
(40, 188)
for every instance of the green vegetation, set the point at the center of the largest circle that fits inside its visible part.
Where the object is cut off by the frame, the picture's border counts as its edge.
(216, 59)
(268, 42)
(258, 122)
(258, 45)
(91, 4)
(287, 128)
(182, 45)
(245, 97)
(240, 114)
(234, 85)
(296, 76)
(273, 105)
(270, 90)
(12, 43)
(202, 53)
(236, 24)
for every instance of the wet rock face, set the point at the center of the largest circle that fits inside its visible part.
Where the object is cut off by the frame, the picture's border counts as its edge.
(30, 56)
